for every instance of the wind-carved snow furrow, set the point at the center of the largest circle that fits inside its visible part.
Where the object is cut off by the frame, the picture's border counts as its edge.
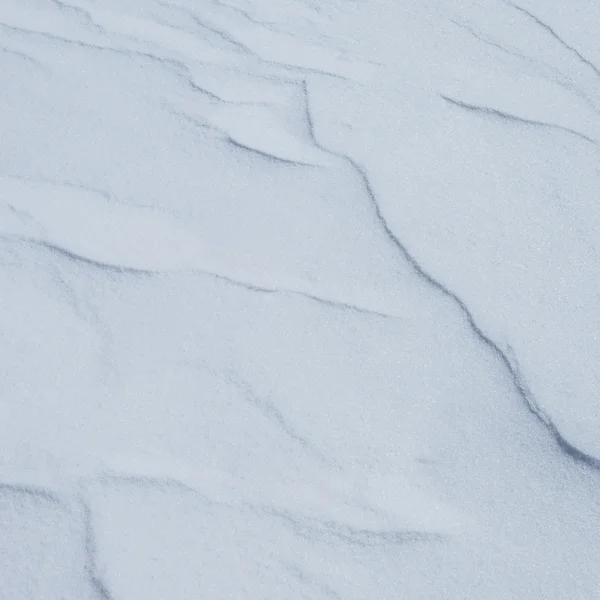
(227, 117)
(171, 64)
(272, 413)
(246, 14)
(77, 258)
(22, 56)
(177, 67)
(312, 527)
(327, 42)
(163, 483)
(307, 526)
(87, 17)
(249, 138)
(336, 304)
(50, 36)
(295, 68)
(511, 367)
(489, 42)
(120, 269)
(309, 582)
(493, 112)
(255, 127)
(271, 157)
(34, 492)
(558, 78)
(239, 46)
(91, 551)
(553, 33)
(571, 450)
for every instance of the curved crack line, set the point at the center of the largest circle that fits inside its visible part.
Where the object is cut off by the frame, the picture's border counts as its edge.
(23, 56)
(530, 402)
(273, 414)
(493, 112)
(270, 156)
(78, 10)
(77, 258)
(308, 527)
(336, 304)
(553, 33)
(230, 138)
(325, 41)
(178, 68)
(310, 581)
(91, 550)
(559, 78)
(511, 368)
(171, 64)
(247, 50)
(149, 482)
(239, 46)
(35, 492)
(261, 289)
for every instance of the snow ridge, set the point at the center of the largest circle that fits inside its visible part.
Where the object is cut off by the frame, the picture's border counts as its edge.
(569, 449)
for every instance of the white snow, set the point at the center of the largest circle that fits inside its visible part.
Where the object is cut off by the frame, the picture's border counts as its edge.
(299, 299)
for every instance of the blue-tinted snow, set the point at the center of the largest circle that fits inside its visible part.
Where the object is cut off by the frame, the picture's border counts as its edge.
(299, 299)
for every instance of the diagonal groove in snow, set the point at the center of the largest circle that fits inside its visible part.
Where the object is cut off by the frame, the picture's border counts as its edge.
(86, 16)
(162, 483)
(249, 51)
(269, 156)
(22, 55)
(558, 77)
(511, 367)
(114, 268)
(310, 526)
(493, 112)
(177, 67)
(311, 582)
(35, 492)
(271, 412)
(326, 41)
(172, 64)
(553, 33)
(486, 40)
(222, 34)
(91, 550)
(259, 288)
(307, 526)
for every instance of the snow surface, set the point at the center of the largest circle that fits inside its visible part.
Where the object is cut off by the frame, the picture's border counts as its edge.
(299, 299)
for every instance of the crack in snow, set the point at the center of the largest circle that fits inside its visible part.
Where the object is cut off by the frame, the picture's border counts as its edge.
(78, 10)
(239, 46)
(270, 156)
(559, 78)
(310, 582)
(23, 56)
(527, 397)
(309, 527)
(553, 33)
(178, 67)
(34, 492)
(91, 550)
(493, 112)
(247, 50)
(273, 414)
(511, 368)
(263, 289)
(163, 483)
